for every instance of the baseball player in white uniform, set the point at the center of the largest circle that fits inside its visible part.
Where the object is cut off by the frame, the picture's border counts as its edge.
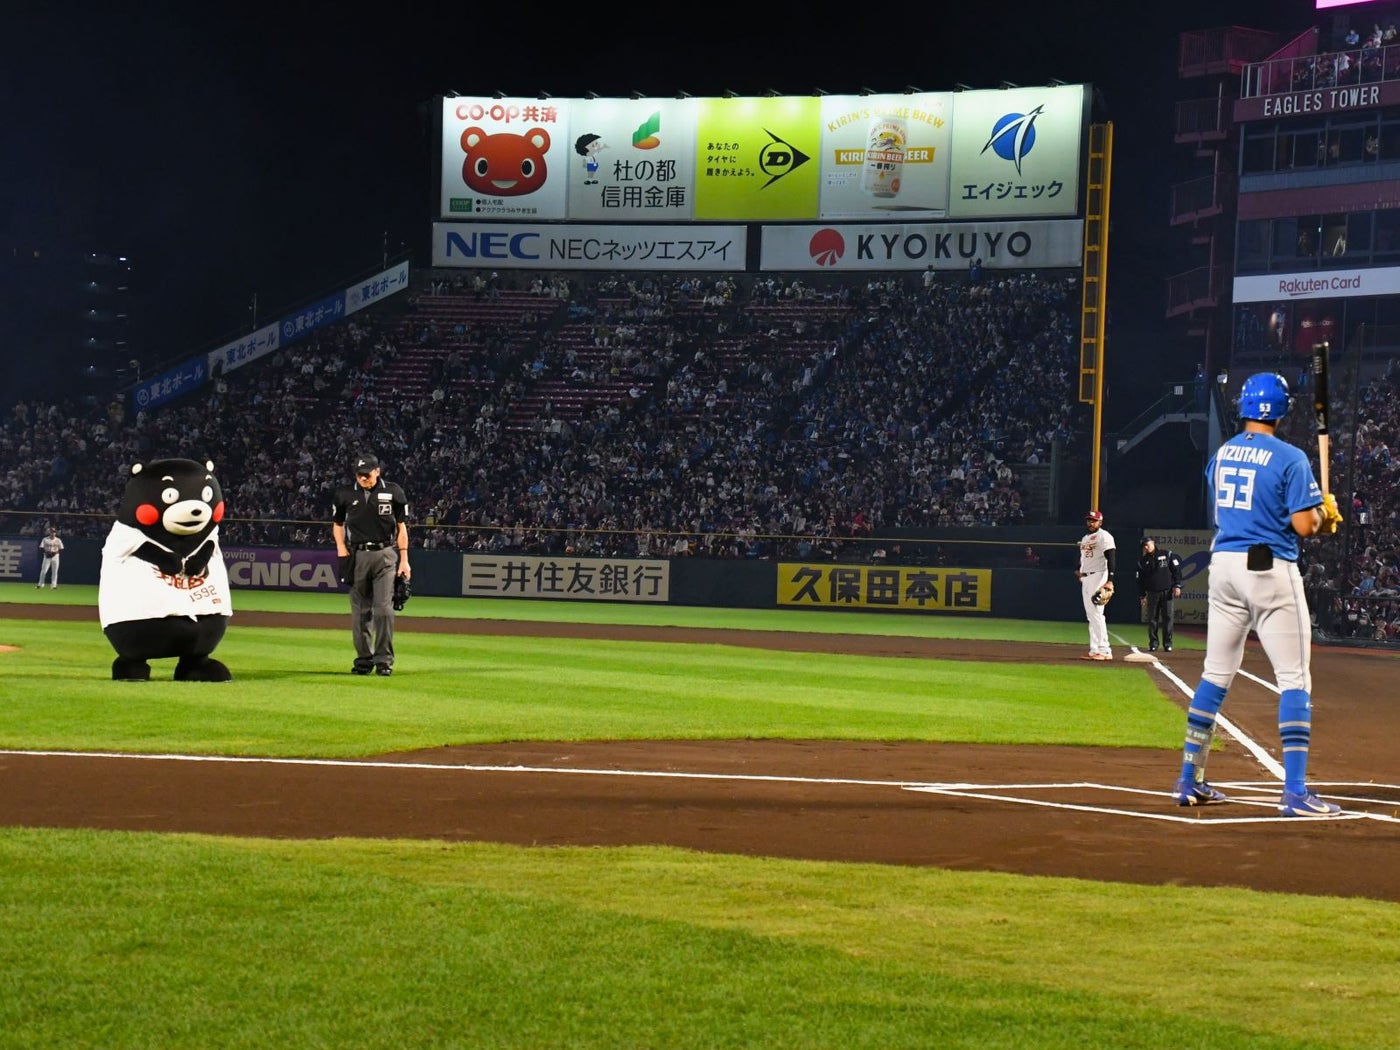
(1265, 497)
(1097, 555)
(51, 547)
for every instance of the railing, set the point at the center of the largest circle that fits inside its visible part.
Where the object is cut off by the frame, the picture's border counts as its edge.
(1282, 76)
(1202, 117)
(1206, 50)
(1192, 289)
(1200, 196)
(1187, 397)
(1181, 402)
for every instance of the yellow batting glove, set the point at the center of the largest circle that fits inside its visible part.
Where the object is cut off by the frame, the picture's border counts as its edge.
(1331, 516)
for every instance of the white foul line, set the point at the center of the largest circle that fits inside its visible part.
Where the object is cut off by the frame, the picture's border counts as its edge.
(952, 789)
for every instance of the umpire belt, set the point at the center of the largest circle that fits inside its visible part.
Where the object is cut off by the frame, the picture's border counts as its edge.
(371, 546)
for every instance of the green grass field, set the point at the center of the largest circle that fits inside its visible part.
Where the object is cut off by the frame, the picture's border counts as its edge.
(142, 940)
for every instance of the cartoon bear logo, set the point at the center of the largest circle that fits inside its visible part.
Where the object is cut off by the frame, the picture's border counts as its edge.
(504, 164)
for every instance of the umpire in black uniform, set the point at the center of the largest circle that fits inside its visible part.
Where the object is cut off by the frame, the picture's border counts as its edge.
(370, 525)
(1158, 585)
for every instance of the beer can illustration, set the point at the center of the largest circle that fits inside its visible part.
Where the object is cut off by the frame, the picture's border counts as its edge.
(884, 157)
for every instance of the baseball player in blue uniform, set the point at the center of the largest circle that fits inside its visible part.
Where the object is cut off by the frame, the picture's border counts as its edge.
(1265, 498)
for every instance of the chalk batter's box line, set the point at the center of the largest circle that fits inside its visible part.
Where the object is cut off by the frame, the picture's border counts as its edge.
(1260, 795)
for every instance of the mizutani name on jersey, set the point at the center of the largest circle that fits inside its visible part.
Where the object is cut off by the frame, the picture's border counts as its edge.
(1247, 453)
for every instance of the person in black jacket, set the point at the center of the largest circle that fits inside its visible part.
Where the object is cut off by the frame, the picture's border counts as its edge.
(369, 521)
(1158, 585)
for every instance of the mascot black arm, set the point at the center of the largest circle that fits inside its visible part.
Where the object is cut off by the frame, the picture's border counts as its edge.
(166, 561)
(172, 564)
(197, 562)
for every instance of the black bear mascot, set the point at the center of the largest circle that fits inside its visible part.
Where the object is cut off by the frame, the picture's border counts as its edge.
(163, 591)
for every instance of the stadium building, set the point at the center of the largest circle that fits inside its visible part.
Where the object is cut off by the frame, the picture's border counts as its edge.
(1292, 211)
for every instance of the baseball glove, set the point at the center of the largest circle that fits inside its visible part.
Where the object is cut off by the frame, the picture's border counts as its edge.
(402, 592)
(1103, 594)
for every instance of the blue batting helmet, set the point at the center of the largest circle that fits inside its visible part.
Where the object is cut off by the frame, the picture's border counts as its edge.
(1265, 396)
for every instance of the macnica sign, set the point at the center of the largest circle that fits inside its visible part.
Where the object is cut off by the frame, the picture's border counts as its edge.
(265, 568)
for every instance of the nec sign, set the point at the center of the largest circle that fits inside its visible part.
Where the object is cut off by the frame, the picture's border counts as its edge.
(487, 245)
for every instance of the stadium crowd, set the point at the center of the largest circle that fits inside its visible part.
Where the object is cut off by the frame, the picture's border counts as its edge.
(1358, 596)
(665, 415)
(754, 413)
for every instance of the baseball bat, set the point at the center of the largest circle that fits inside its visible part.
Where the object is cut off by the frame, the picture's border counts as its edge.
(1319, 370)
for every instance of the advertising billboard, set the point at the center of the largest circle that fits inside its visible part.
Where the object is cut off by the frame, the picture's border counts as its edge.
(504, 158)
(758, 158)
(567, 579)
(1317, 284)
(910, 589)
(885, 156)
(584, 247)
(1035, 244)
(632, 157)
(1017, 152)
(1013, 153)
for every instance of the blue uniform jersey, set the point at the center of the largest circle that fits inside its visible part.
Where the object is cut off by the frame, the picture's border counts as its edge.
(1259, 481)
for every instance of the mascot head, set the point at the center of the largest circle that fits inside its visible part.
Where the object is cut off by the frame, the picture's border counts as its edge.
(175, 502)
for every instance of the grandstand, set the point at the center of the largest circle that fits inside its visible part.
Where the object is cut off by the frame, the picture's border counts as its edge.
(856, 418)
(699, 409)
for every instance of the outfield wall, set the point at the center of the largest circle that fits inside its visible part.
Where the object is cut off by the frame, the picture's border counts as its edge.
(1016, 593)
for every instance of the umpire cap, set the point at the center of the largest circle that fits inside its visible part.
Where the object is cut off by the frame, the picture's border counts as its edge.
(365, 462)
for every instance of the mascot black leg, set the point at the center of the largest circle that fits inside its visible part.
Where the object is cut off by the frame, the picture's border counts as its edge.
(201, 669)
(133, 650)
(137, 641)
(125, 669)
(196, 665)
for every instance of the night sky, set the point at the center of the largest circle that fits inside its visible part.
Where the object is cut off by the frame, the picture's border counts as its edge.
(275, 150)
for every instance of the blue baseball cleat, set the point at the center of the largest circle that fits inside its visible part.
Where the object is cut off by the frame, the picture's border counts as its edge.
(1306, 805)
(1189, 793)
